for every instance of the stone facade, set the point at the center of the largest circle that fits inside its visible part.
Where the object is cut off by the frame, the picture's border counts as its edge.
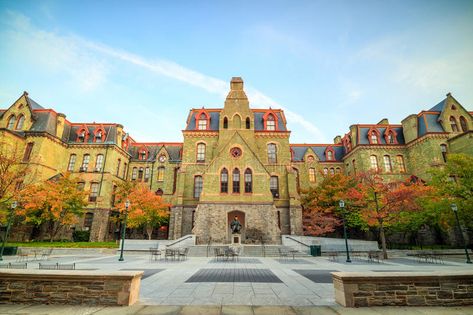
(356, 289)
(264, 172)
(63, 287)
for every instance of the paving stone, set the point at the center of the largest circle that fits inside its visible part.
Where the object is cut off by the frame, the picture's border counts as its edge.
(161, 310)
(273, 310)
(200, 310)
(237, 310)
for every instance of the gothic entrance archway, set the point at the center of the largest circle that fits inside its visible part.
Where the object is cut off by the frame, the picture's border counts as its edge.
(241, 217)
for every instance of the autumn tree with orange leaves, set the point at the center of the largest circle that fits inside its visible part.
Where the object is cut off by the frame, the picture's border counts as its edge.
(320, 204)
(57, 202)
(146, 208)
(381, 203)
(14, 176)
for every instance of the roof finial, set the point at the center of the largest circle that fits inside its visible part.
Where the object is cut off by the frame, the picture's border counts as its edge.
(449, 94)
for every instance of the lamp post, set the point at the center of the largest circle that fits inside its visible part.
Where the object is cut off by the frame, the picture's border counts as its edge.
(127, 204)
(10, 219)
(341, 203)
(455, 210)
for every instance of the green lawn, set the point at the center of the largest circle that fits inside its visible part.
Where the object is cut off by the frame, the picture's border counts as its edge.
(65, 244)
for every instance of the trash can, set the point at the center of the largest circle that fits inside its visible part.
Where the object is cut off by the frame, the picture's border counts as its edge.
(10, 250)
(315, 250)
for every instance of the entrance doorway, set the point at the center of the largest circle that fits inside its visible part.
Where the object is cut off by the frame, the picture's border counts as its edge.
(241, 217)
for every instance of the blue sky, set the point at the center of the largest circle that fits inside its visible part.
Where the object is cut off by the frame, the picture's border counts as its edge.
(328, 64)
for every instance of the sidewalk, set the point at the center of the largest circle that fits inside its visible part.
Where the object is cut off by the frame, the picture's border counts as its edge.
(233, 309)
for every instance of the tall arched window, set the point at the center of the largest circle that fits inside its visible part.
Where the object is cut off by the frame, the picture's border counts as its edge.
(248, 123)
(85, 163)
(453, 124)
(388, 168)
(312, 177)
(373, 138)
(272, 153)
(332, 171)
(202, 122)
(200, 152)
(198, 184)
(374, 162)
(237, 122)
(20, 122)
(118, 166)
(72, 162)
(160, 177)
(94, 192)
(147, 174)
(11, 122)
(225, 123)
(224, 181)
(236, 181)
(443, 149)
(248, 181)
(134, 173)
(338, 170)
(274, 186)
(270, 123)
(400, 162)
(463, 124)
(99, 163)
(140, 174)
(325, 171)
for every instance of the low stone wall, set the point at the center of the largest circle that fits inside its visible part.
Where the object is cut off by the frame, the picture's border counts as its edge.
(69, 287)
(358, 289)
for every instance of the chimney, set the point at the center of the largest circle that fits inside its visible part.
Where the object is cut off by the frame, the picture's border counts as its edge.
(236, 84)
(60, 121)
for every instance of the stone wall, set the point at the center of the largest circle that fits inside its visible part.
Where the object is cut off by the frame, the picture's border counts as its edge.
(69, 287)
(358, 289)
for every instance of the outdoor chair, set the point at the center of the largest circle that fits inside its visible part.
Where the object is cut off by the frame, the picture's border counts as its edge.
(374, 256)
(283, 254)
(169, 253)
(218, 253)
(154, 253)
(183, 253)
(333, 256)
(14, 266)
(233, 253)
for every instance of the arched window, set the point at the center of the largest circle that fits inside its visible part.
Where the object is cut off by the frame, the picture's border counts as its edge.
(274, 186)
(198, 184)
(202, 122)
(147, 173)
(325, 171)
(400, 162)
(338, 170)
(374, 162)
(160, 177)
(312, 177)
(85, 163)
(99, 163)
(353, 163)
(72, 162)
(125, 170)
(443, 149)
(140, 174)
(248, 123)
(329, 154)
(143, 154)
(11, 122)
(20, 122)
(332, 171)
(200, 152)
(224, 181)
(453, 124)
(463, 124)
(118, 167)
(225, 123)
(88, 219)
(248, 181)
(134, 173)
(272, 153)
(99, 135)
(94, 192)
(82, 135)
(388, 168)
(236, 181)
(270, 123)
(159, 192)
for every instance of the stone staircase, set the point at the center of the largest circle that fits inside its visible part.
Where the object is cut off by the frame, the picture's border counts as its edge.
(247, 250)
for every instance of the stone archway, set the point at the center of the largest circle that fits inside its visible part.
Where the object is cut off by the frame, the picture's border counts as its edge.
(241, 217)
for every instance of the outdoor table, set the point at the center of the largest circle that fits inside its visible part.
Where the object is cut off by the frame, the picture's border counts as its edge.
(293, 252)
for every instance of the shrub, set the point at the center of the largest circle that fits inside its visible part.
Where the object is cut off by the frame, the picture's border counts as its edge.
(81, 236)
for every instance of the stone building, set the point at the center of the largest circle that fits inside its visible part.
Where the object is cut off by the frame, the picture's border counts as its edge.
(233, 161)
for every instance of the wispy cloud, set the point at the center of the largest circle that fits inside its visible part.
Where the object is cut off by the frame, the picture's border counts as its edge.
(86, 63)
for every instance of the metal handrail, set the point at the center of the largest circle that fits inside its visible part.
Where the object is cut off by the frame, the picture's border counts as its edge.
(291, 238)
(178, 241)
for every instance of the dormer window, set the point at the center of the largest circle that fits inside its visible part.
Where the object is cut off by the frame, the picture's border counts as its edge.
(82, 135)
(142, 155)
(202, 120)
(329, 154)
(390, 136)
(373, 136)
(270, 123)
(98, 136)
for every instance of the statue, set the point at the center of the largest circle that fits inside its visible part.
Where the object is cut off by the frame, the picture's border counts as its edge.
(235, 225)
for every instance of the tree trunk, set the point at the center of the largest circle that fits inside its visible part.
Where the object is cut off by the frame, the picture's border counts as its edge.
(383, 239)
(149, 231)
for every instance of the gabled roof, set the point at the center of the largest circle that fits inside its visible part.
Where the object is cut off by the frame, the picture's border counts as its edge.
(439, 107)
(110, 132)
(33, 105)
(173, 150)
(429, 122)
(259, 123)
(364, 129)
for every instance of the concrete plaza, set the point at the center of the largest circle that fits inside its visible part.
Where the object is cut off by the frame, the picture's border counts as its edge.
(250, 281)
